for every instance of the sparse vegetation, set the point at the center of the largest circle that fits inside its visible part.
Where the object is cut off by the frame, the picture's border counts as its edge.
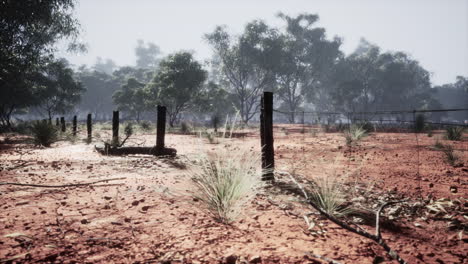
(454, 133)
(450, 156)
(225, 180)
(145, 125)
(185, 128)
(328, 194)
(44, 133)
(354, 134)
(419, 123)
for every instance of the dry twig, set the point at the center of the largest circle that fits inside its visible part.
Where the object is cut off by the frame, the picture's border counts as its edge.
(60, 186)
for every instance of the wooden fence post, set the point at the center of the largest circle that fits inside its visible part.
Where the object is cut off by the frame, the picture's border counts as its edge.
(266, 134)
(62, 121)
(161, 128)
(115, 127)
(89, 127)
(74, 125)
(57, 122)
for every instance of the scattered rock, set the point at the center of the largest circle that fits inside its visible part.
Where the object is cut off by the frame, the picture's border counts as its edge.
(135, 203)
(453, 189)
(84, 221)
(255, 259)
(231, 259)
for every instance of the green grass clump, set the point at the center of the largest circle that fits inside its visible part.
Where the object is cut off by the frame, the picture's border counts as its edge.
(44, 133)
(454, 133)
(225, 180)
(354, 134)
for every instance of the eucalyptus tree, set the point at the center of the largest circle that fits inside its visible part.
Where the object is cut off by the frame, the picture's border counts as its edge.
(58, 91)
(246, 63)
(305, 58)
(131, 98)
(28, 32)
(177, 84)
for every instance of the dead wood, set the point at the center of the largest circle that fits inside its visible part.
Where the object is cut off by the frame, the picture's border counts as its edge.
(59, 186)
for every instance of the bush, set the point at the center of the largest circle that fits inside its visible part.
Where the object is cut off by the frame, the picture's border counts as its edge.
(355, 133)
(145, 125)
(224, 181)
(450, 156)
(185, 128)
(44, 133)
(454, 133)
(419, 123)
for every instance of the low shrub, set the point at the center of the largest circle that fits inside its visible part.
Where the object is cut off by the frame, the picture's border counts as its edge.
(419, 123)
(44, 133)
(185, 128)
(145, 125)
(354, 134)
(225, 180)
(454, 133)
(450, 156)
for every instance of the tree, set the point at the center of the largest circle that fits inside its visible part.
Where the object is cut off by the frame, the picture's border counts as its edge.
(99, 89)
(59, 91)
(131, 98)
(28, 32)
(453, 95)
(246, 63)
(305, 57)
(106, 66)
(147, 55)
(368, 80)
(177, 84)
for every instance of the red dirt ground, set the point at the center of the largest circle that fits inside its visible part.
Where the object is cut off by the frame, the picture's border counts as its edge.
(149, 217)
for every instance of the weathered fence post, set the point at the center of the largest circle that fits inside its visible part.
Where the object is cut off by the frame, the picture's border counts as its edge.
(115, 127)
(89, 127)
(160, 128)
(57, 122)
(74, 125)
(266, 134)
(62, 121)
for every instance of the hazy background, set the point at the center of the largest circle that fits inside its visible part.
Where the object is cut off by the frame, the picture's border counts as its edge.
(435, 32)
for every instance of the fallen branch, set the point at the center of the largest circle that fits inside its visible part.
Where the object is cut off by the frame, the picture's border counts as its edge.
(376, 238)
(317, 256)
(60, 186)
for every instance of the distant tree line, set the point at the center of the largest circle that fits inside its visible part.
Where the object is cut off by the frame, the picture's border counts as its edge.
(297, 61)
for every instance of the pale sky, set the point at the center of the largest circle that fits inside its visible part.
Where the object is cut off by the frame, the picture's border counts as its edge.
(435, 32)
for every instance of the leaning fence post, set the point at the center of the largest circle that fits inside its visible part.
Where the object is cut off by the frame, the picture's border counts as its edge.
(266, 130)
(115, 128)
(89, 127)
(74, 125)
(62, 121)
(160, 128)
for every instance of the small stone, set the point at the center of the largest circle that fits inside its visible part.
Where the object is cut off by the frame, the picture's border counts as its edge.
(255, 259)
(231, 259)
(135, 203)
(145, 208)
(453, 189)
(84, 221)
(431, 185)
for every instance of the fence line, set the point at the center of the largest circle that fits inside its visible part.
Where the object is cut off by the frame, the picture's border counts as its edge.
(372, 113)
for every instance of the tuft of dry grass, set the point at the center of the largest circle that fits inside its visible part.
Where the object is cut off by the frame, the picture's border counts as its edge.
(225, 180)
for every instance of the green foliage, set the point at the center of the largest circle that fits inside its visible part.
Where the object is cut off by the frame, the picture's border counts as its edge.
(145, 125)
(177, 84)
(224, 181)
(419, 123)
(132, 98)
(454, 133)
(28, 33)
(59, 92)
(44, 133)
(147, 55)
(354, 134)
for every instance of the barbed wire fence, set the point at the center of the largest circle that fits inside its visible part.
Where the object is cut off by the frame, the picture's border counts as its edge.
(380, 121)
